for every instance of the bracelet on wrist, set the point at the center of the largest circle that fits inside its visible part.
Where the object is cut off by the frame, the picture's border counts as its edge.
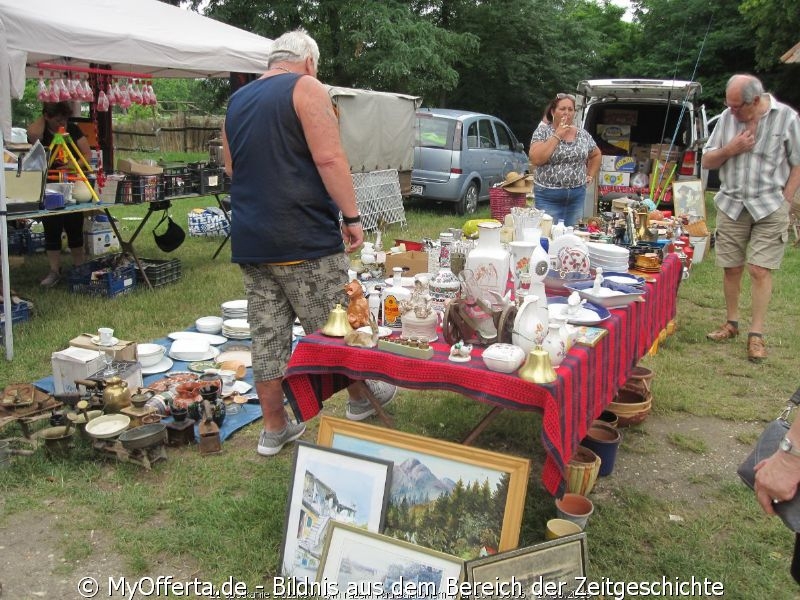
(558, 137)
(351, 220)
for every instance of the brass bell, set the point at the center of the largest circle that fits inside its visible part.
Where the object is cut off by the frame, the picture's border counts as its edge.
(337, 324)
(538, 368)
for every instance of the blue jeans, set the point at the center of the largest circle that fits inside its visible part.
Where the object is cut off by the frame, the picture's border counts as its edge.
(561, 203)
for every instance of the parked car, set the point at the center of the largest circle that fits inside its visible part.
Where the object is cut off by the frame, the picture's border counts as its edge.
(459, 155)
(710, 177)
(650, 111)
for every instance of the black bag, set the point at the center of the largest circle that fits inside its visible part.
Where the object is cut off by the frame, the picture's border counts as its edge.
(766, 446)
(172, 237)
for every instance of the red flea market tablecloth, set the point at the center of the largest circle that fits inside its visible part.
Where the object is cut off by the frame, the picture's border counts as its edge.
(588, 378)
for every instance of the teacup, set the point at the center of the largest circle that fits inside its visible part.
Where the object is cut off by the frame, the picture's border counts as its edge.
(105, 335)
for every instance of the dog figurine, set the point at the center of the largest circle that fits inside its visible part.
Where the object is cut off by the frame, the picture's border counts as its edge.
(358, 307)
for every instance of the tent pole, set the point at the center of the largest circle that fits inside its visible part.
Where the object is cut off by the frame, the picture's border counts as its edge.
(8, 325)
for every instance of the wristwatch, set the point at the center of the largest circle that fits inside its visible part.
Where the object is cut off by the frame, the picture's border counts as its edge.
(787, 446)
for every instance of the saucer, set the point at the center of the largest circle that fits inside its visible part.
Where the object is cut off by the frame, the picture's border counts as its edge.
(382, 331)
(165, 364)
(96, 341)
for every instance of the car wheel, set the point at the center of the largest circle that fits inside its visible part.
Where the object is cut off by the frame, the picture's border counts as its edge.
(469, 201)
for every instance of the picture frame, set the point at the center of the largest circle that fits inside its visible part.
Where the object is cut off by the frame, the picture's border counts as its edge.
(362, 564)
(552, 569)
(688, 198)
(330, 485)
(422, 505)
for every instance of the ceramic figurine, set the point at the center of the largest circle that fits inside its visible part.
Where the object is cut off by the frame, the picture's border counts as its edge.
(460, 352)
(418, 317)
(358, 307)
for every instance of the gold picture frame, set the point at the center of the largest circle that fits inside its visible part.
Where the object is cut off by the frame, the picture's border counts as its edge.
(688, 198)
(491, 478)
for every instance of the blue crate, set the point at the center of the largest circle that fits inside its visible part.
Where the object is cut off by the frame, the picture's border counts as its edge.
(102, 277)
(20, 312)
(18, 241)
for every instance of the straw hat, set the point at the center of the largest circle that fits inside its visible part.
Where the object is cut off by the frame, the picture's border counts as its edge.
(517, 184)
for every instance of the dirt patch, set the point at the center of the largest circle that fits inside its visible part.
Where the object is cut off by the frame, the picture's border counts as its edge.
(684, 457)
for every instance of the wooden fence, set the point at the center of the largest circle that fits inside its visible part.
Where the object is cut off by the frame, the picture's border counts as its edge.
(175, 133)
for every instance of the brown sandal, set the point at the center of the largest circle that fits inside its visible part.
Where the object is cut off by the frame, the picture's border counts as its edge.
(725, 332)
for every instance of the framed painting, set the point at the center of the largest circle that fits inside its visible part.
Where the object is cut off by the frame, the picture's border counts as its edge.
(327, 486)
(360, 564)
(456, 499)
(553, 569)
(687, 198)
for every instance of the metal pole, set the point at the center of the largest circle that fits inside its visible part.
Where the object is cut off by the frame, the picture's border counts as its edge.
(8, 325)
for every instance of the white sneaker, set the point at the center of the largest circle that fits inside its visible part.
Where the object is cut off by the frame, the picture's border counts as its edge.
(271, 442)
(358, 410)
(52, 279)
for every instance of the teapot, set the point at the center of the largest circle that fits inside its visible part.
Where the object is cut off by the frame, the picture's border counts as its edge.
(116, 395)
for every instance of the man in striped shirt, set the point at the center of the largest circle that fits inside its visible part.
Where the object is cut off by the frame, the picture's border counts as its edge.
(756, 147)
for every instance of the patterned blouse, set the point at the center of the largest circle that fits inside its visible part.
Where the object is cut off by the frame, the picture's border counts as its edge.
(567, 165)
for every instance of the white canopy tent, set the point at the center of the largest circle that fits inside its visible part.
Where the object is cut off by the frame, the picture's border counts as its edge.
(145, 36)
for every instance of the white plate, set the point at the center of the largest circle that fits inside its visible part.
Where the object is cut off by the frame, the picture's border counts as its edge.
(589, 313)
(607, 250)
(214, 340)
(96, 342)
(243, 356)
(236, 324)
(234, 305)
(212, 353)
(568, 239)
(165, 364)
(382, 331)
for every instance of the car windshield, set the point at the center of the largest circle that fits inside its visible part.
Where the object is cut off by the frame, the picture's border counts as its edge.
(434, 132)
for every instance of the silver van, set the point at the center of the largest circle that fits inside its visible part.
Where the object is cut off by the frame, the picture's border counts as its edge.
(652, 111)
(459, 155)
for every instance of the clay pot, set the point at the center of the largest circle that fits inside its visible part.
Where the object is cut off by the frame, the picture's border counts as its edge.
(575, 508)
(604, 441)
(609, 418)
(631, 407)
(557, 528)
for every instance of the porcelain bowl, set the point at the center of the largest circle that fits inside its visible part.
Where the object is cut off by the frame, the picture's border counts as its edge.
(209, 324)
(150, 354)
(503, 358)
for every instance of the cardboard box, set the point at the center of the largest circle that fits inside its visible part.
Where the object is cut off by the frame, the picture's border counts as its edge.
(626, 164)
(662, 152)
(127, 165)
(71, 364)
(614, 178)
(123, 350)
(128, 371)
(413, 262)
(97, 243)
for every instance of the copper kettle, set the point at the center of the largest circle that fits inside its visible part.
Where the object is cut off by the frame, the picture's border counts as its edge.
(116, 395)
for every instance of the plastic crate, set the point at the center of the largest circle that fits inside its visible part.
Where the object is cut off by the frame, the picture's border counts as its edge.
(160, 272)
(177, 181)
(208, 179)
(18, 241)
(105, 276)
(20, 312)
(135, 189)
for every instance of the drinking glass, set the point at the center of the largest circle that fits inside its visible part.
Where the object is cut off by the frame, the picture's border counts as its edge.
(108, 360)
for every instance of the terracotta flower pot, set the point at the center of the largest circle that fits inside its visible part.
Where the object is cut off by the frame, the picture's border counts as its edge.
(575, 508)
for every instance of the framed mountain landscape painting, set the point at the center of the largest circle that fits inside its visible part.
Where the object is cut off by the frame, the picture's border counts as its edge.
(456, 499)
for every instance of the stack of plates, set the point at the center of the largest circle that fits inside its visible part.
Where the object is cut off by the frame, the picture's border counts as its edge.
(236, 329)
(608, 256)
(234, 309)
(191, 350)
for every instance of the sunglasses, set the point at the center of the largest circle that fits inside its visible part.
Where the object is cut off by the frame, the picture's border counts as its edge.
(562, 96)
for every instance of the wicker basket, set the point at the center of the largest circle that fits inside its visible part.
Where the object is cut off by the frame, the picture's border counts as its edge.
(641, 381)
(697, 228)
(582, 471)
(501, 202)
(631, 407)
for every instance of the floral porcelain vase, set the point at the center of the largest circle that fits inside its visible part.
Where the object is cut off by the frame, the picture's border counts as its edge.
(530, 324)
(555, 344)
(489, 261)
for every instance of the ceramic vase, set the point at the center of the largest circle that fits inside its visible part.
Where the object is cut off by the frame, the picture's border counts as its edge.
(489, 261)
(520, 259)
(530, 324)
(554, 344)
(445, 285)
(538, 268)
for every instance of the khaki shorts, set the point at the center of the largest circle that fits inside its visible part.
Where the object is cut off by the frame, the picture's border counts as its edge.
(760, 243)
(276, 294)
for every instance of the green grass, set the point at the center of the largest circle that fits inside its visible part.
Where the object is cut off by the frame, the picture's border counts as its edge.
(225, 513)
